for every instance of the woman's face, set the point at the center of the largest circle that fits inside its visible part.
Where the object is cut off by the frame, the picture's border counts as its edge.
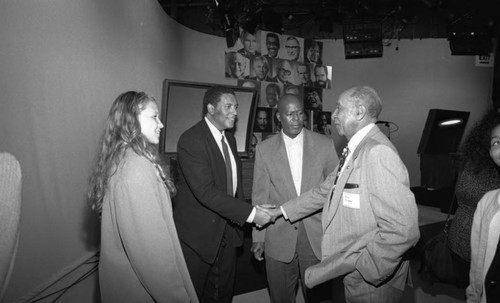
(495, 145)
(150, 122)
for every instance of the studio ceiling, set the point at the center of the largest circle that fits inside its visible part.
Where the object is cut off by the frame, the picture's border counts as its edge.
(323, 19)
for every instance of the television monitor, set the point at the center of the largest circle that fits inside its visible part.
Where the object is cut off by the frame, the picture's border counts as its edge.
(443, 131)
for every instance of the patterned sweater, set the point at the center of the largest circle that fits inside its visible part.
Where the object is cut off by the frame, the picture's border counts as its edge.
(469, 190)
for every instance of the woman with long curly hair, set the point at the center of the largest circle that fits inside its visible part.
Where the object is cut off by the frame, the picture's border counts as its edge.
(140, 259)
(479, 174)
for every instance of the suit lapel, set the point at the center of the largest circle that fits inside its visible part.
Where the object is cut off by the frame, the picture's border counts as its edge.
(234, 149)
(337, 194)
(280, 160)
(217, 158)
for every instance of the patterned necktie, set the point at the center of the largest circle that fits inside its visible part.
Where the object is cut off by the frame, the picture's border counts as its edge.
(229, 170)
(345, 153)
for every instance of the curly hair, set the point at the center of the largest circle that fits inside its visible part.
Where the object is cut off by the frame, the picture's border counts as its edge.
(123, 131)
(475, 149)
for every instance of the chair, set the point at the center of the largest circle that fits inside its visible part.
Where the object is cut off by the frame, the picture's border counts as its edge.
(10, 211)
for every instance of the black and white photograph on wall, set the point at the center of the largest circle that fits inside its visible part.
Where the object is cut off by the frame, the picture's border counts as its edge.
(276, 122)
(249, 83)
(304, 74)
(256, 138)
(313, 97)
(270, 94)
(263, 122)
(236, 65)
(295, 90)
(283, 72)
(322, 76)
(313, 51)
(250, 45)
(260, 68)
(323, 122)
(308, 114)
(271, 45)
(292, 48)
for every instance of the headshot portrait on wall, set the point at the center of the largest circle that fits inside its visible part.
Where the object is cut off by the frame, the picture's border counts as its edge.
(236, 65)
(250, 44)
(271, 45)
(276, 122)
(263, 120)
(256, 138)
(304, 71)
(260, 68)
(270, 94)
(313, 51)
(323, 122)
(249, 83)
(308, 114)
(295, 90)
(292, 48)
(313, 97)
(322, 76)
(283, 72)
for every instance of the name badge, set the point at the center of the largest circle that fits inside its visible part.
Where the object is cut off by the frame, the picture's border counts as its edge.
(350, 200)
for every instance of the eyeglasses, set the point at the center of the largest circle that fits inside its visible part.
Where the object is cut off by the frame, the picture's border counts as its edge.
(286, 72)
(292, 47)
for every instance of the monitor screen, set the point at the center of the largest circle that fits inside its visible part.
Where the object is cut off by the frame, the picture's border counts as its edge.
(443, 131)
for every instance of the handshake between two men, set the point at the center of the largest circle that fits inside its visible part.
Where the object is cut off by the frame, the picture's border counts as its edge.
(266, 214)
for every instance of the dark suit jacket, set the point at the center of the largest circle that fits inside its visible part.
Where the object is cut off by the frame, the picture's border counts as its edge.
(201, 207)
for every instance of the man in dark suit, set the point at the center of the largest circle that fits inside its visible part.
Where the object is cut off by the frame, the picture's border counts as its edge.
(209, 208)
(287, 164)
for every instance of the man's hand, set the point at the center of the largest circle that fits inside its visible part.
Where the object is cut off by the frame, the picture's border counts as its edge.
(272, 210)
(262, 217)
(257, 250)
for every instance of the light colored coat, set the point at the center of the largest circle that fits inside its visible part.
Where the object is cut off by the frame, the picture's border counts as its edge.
(484, 243)
(141, 258)
(371, 221)
(273, 184)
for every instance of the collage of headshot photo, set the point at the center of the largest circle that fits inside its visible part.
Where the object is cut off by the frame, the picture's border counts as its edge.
(270, 57)
(275, 65)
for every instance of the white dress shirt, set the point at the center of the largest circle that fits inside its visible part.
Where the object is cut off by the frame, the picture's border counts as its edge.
(294, 151)
(354, 142)
(218, 137)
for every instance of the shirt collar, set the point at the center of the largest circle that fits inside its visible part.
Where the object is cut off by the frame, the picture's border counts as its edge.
(298, 139)
(358, 136)
(215, 132)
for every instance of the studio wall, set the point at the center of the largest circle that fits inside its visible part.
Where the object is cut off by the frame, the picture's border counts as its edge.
(64, 61)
